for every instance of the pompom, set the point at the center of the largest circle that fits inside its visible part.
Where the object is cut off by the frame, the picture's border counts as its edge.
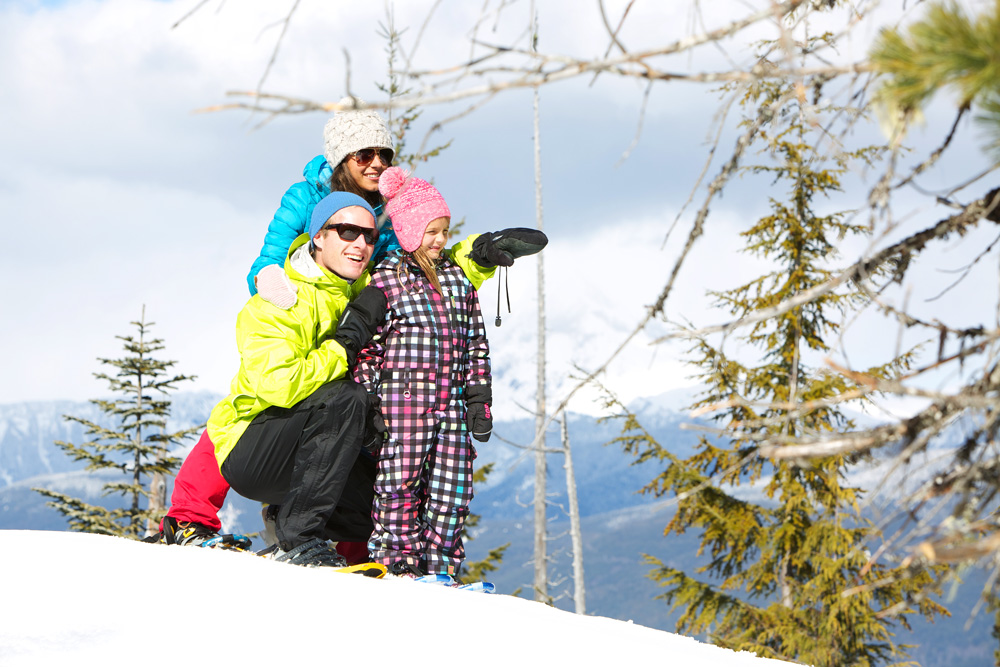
(391, 182)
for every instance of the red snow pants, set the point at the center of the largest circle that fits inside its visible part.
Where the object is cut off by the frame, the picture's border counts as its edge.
(199, 489)
(200, 492)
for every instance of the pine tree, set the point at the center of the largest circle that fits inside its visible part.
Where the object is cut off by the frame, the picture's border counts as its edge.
(787, 577)
(949, 49)
(138, 446)
(946, 49)
(400, 121)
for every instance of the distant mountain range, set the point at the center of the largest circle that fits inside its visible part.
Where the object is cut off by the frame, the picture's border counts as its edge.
(28, 431)
(607, 480)
(619, 525)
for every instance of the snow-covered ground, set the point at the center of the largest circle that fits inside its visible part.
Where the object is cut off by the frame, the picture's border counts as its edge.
(79, 599)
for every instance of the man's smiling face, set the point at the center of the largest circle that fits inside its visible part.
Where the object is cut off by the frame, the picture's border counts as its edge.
(346, 259)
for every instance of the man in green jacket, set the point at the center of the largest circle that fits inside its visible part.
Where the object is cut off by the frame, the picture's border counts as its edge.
(290, 432)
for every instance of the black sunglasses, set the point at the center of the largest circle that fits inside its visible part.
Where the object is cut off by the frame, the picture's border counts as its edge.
(348, 232)
(366, 156)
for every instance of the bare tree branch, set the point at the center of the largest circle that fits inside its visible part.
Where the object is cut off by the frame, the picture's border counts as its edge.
(277, 46)
(900, 253)
(193, 10)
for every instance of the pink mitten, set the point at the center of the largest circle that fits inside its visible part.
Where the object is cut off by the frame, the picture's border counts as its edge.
(274, 287)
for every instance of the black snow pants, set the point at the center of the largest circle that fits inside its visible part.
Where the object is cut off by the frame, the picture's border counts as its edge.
(308, 460)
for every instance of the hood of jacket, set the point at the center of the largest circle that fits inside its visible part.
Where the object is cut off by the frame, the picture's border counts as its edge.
(317, 173)
(302, 268)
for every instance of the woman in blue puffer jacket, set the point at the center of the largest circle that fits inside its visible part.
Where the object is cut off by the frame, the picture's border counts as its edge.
(296, 206)
(357, 148)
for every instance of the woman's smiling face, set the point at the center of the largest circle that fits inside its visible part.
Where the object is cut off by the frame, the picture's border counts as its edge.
(366, 175)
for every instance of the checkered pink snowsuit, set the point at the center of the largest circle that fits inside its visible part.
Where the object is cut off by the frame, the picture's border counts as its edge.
(420, 362)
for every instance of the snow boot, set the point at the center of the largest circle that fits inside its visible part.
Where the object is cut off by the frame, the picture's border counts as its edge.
(314, 553)
(189, 534)
(402, 568)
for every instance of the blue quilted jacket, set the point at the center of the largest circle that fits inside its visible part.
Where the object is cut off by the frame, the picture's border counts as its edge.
(292, 219)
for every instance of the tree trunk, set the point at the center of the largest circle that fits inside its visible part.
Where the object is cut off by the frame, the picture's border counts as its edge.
(157, 500)
(576, 534)
(541, 584)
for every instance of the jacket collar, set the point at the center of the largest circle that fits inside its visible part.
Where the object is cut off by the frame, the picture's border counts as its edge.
(301, 267)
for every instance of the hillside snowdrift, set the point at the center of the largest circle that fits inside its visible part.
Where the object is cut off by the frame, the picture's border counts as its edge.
(79, 599)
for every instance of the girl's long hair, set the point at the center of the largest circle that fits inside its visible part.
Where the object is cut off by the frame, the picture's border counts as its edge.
(427, 265)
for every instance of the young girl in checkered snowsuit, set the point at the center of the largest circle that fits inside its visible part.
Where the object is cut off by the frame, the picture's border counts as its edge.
(429, 366)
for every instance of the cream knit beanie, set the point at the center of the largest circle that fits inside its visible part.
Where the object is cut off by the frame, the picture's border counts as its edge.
(351, 130)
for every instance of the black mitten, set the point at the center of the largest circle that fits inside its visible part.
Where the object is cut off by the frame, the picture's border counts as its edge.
(375, 429)
(478, 416)
(360, 320)
(502, 248)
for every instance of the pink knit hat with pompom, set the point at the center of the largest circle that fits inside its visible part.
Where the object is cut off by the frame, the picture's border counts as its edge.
(412, 204)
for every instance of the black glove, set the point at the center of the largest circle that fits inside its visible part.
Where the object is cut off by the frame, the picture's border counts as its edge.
(359, 321)
(375, 429)
(478, 416)
(502, 248)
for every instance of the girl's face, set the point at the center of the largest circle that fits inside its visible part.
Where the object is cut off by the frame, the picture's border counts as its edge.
(436, 237)
(366, 166)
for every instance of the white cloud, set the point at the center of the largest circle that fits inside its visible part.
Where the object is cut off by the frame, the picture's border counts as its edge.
(160, 207)
(113, 194)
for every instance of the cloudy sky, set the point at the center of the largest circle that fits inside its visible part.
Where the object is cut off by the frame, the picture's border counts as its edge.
(116, 195)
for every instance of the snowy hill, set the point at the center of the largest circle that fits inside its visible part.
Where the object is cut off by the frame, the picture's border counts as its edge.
(118, 602)
(618, 525)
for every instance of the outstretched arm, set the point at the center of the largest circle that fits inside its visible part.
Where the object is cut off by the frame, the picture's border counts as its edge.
(461, 252)
(480, 254)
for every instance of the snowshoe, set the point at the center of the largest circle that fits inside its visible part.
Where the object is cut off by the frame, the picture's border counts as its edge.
(320, 553)
(190, 534)
(446, 580)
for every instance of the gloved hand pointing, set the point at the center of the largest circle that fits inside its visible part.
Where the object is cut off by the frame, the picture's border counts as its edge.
(502, 248)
